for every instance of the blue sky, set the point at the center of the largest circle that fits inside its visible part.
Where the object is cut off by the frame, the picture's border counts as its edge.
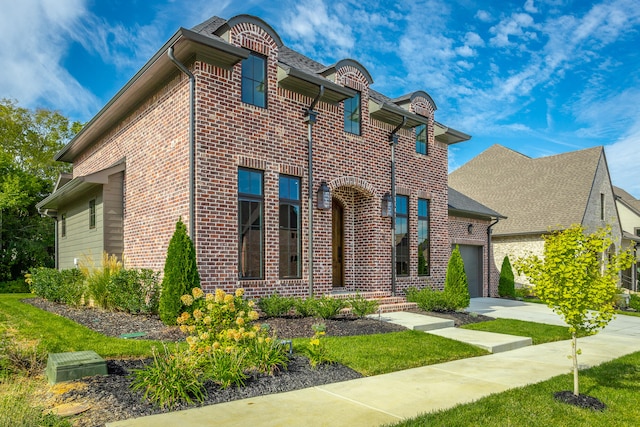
(541, 77)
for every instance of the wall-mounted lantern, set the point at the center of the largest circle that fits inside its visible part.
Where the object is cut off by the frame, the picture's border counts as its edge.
(324, 197)
(386, 208)
(470, 228)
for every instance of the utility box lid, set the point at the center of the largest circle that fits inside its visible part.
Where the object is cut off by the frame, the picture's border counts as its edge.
(74, 365)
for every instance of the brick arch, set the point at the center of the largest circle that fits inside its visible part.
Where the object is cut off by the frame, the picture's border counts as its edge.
(358, 184)
(255, 38)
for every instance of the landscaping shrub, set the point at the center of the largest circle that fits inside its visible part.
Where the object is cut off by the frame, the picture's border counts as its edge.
(275, 305)
(327, 307)
(134, 291)
(361, 307)
(224, 368)
(506, 285)
(66, 286)
(180, 274)
(456, 286)
(430, 300)
(18, 286)
(634, 301)
(171, 378)
(305, 307)
(98, 278)
(316, 350)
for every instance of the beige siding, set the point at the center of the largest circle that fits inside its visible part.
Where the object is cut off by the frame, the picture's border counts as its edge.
(81, 241)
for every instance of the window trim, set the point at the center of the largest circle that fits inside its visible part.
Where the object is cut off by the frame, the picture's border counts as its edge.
(358, 95)
(251, 78)
(427, 219)
(251, 198)
(92, 214)
(291, 202)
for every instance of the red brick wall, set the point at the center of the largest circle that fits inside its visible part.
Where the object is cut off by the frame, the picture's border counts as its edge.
(230, 134)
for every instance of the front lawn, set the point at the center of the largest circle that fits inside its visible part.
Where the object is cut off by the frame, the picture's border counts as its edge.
(540, 333)
(616, 383)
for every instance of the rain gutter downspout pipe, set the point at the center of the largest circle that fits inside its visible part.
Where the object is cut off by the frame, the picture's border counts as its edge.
(192, 139)
(393, 141)
(310, 118)
(489, 255)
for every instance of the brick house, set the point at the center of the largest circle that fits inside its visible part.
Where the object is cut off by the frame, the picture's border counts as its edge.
(226, 127)
(629, 211)
(538, 195)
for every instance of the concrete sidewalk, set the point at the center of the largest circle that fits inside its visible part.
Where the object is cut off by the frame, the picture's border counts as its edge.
(399, 395)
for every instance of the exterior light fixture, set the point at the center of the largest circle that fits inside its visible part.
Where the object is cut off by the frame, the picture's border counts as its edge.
(386, 208)
(324, 197)
(470, 228)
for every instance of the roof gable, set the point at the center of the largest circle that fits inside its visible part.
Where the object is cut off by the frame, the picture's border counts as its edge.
(534, 194)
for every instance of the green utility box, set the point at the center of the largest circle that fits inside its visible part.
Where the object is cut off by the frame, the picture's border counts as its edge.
(74, 365)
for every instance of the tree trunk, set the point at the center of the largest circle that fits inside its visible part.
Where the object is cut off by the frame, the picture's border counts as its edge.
(574, 354)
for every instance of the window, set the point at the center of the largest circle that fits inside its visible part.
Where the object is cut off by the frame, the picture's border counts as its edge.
(290, 238)
(92, 213)
(637, 231)
(421, 139)
(352, 115)
(254, 83)
(424, 250)
(63, 225)
(250, 224)
(602, 206)
(402, 235)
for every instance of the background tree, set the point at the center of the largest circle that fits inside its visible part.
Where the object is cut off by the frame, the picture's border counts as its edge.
(577, 278)
(180, 274)
(29, 140)
(506, 285)
(456, 285)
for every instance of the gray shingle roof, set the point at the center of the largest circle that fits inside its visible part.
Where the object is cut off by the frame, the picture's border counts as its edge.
(534, 194)
(627, 198)
(463, 204)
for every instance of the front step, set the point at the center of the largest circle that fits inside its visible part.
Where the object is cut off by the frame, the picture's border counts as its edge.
(417, 322)
(386, 302)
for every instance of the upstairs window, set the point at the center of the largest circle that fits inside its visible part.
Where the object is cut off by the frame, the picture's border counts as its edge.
(402, 235)
(352, 115)
(254, 82)
(602, 206)
(63, 225)
(421, 139)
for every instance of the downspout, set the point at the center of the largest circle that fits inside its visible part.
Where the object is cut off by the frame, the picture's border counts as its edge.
(489, 231)
(310, 118)
(192, 140)
(393, 141)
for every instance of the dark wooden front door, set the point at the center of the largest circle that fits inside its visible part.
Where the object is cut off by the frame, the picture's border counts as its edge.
(338, 244)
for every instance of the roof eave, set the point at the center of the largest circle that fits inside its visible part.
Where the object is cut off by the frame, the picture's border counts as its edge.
(189, 45)
(394, 115)
(307, 84)
(450, 136)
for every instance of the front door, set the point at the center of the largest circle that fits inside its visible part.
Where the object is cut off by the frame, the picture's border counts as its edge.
(338, 243)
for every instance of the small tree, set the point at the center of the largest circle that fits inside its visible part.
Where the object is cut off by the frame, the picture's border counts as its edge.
(180, 274)
(456, 286)
(577, 281)
(506, 286)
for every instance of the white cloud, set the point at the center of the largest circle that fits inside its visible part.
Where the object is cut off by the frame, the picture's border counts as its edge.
(530, 7)
(623, 158)
(484, 16)
(512, 27)
(34, 38)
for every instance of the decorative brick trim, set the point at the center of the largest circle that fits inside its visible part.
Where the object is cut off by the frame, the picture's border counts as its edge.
(248, 162)
(354, 182)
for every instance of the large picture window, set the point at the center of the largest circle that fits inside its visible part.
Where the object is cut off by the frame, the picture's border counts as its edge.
(423, 237)
(250, 224)
(421, 139)
(352, 115)
(254, 82)
(402, 236)
(290, 244)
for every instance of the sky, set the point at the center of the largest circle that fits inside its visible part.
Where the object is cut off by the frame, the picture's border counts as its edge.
(541, 77)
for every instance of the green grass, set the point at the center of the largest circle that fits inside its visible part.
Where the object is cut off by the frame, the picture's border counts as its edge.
(628, 313)
(616, 383)
(58, 334)
(383, 353)
(540, 333)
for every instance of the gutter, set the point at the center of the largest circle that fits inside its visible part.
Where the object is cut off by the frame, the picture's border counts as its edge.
(489, 255)
(192, 139)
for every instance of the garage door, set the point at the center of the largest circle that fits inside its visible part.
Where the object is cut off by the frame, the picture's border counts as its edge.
(472, 257)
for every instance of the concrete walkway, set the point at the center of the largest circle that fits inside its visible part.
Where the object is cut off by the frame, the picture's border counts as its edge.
(390, 398)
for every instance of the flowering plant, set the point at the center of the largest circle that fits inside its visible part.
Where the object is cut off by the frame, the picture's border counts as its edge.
(316, 350)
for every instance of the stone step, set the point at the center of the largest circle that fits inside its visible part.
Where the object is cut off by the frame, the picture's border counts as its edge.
(377, 295)
(490, 341)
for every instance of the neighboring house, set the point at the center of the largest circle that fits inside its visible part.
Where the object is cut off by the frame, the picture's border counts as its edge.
(538, 195)
(629, 211)
(470, 225)
(226, 127)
